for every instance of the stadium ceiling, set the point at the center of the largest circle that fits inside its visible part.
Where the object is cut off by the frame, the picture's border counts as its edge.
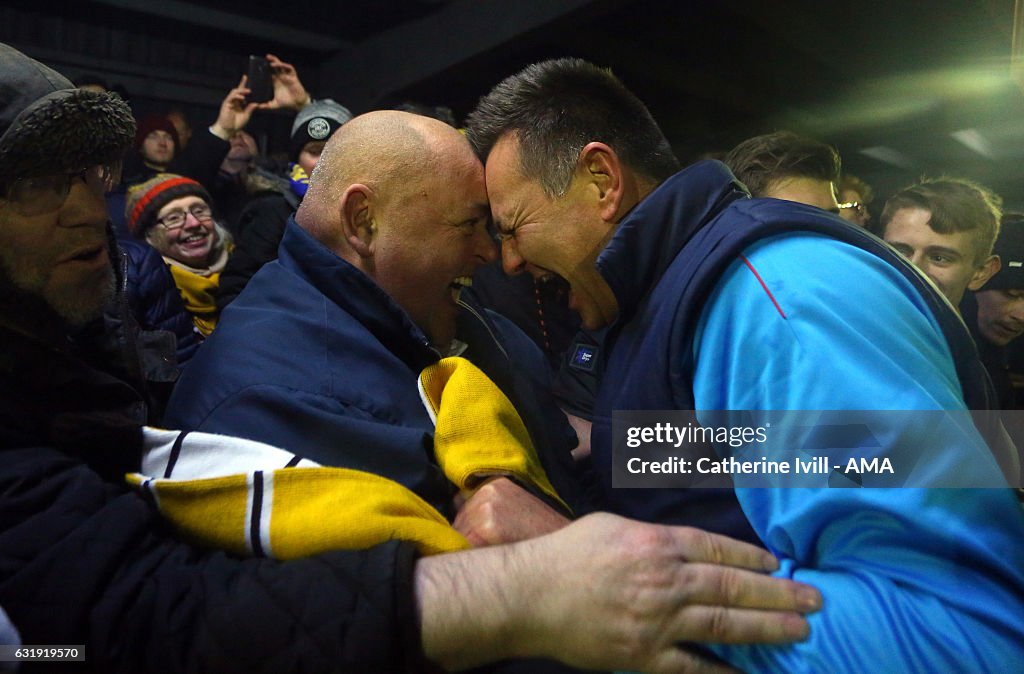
(900, 87)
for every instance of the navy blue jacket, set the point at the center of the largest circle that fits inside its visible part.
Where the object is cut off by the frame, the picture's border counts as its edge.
(316, 358)
(86, 560)
(901, 570)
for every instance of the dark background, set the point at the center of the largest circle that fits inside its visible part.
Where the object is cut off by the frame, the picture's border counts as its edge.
(902, 89)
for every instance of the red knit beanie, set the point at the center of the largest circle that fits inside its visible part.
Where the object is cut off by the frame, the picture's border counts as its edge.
(155, 123)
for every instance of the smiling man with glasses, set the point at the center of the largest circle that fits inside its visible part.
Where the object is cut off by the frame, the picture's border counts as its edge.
(173, 214)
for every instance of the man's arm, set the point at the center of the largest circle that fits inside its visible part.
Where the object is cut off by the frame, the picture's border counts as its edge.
(606, 593)
(86, 562)
(913, 579)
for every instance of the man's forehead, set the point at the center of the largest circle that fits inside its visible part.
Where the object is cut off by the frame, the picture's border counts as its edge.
(910, 222)
(505, 151)
(916, 222)
(506, 183)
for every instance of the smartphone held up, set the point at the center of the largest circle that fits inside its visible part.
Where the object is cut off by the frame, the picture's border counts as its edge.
(259, 81)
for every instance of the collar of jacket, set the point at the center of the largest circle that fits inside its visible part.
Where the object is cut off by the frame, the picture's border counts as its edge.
(653, 233)
(356, 294)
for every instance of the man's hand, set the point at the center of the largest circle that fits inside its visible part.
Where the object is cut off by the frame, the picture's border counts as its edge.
(288, 89)
(607, 593)
(503, 512)
(234, 112)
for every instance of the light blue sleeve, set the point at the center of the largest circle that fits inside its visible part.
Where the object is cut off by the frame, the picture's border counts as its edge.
(914, 580)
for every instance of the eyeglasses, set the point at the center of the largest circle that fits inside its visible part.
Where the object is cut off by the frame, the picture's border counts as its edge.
(855, 205)
(45, 194)
(176, 219)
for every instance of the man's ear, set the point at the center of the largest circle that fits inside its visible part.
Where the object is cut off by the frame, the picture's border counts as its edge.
(357, 219)
(987, 270)
(599, 165)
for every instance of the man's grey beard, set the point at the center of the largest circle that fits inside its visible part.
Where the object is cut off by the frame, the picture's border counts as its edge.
(77, 314)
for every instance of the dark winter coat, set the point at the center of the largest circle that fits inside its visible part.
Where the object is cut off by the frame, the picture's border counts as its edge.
(315, 358)
(85, 560)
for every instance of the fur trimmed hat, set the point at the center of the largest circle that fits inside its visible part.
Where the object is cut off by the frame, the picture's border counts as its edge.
(47, 125)
(146, 199)
(317, 121)
(151, 123)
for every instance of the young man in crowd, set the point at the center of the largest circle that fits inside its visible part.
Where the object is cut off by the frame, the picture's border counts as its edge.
(84, 560)
(720, 302)
(946, 227)
(949, 229)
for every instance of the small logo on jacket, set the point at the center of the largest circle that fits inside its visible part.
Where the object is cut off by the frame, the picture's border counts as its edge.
(584, 357)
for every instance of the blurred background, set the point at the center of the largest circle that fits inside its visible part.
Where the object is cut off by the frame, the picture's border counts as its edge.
(902, 89)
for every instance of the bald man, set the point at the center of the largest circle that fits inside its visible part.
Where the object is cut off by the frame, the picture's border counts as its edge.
(321, 353)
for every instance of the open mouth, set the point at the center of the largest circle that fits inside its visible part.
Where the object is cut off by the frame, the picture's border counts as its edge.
(193, 240)
(458, 284)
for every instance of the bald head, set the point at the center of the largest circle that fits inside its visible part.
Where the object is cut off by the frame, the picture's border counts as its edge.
(389, 152)
(401, 197)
